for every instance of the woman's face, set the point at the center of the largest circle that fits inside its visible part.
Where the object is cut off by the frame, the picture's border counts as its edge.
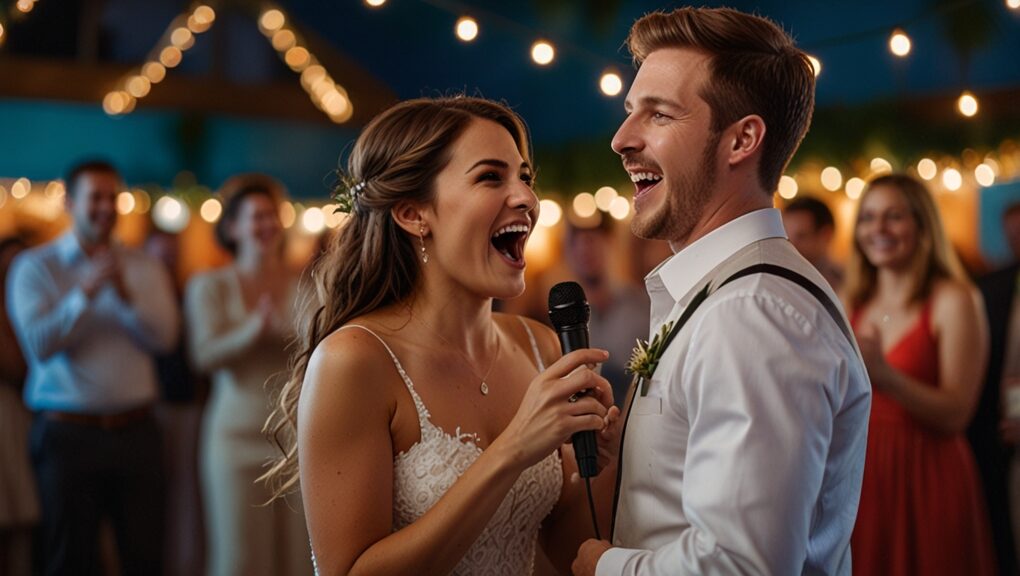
(887, 231)
(483, 213)
(257, 226)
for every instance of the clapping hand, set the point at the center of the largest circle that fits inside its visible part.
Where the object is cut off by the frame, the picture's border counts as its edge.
(105, 267)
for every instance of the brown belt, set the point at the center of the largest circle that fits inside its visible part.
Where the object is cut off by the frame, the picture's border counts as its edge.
(103, 421)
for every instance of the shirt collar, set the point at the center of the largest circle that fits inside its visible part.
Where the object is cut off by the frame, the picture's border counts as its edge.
(679, 272)
(69, 248)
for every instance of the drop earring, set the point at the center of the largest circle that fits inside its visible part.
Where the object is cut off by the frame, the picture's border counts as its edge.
(421, 238)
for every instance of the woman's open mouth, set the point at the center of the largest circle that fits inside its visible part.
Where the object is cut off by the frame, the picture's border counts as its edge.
(509, 242)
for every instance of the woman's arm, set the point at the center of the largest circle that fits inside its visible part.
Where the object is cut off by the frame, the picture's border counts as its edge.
(962, 333)
(212, 343)
(346, 461)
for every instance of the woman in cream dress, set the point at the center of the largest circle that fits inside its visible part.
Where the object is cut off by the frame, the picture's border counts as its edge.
(239, 319)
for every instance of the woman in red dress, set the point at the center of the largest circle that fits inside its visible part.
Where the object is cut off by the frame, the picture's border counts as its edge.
(922, 334)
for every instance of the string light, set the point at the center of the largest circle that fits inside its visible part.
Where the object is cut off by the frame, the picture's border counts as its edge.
(375, 3)
(2, 30)
(25, 6)
(604, 197)
(952, 179)
(467, 28)
(611, 84)
(854, 188)
(21, 188)
(584, 205)
(1013, 4)
(619, 208)
(125, 203)
(984, 174)
(787, 187)
(549, 213)
(927, 169)
(543, 53)
(832, 179)
(288, 215)
(313, 220)
(899, 43)
(967, 104)
(816, 65)
(171, 215)
(210, 210)
(271, 21)
(880, 165)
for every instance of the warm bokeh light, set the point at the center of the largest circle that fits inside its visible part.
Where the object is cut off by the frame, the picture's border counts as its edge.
(1013, 4)
(899, 43)
(619, 208)
(375, 3)
(1, 31)
(116, 102)
(125, 202)
(182, 38)
(584, 205)
(611, 84)
(25, 6)
(604, 197)
(204, 15)
(287, 214)
(311, 75)
(171, 215)
(967, 104)
(297, 58)
(832, 179)
(3, 196)
(21, 188)
(816, 64)
(55, 189)
(138, 86)
(283, 40)
(880, 165)
(272, 20)
(142, 200)
(154, 71)
(170, 56)
(993, 165)
(313, 220)
(549, 213)
(952, 179)
(467, 28)
(334, 217)
(787, 187)
(542, 53)
(854, 188)
(927, 169)
(210, 210)
(984, 174)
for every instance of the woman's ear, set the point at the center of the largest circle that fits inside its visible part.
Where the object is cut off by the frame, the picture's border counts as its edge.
(410, 217)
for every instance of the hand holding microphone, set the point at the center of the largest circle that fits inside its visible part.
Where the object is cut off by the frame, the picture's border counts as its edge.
(569, 313)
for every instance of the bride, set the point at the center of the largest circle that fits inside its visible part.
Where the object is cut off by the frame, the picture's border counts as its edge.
(428, 427)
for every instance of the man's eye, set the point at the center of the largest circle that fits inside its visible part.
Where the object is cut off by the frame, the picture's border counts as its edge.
(659, 116)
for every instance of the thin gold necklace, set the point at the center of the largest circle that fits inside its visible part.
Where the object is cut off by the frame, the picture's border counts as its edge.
(483, 387)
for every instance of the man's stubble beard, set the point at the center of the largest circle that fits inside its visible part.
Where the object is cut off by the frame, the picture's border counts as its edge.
(685, 202)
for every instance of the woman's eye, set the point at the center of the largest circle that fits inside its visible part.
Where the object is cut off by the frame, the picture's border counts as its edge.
(528, 179)
(490, 176)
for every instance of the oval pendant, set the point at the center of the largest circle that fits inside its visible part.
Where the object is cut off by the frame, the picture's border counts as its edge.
(484, 388)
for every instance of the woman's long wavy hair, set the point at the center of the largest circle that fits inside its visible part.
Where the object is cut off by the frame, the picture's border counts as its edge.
(372, 262)
(933, 259)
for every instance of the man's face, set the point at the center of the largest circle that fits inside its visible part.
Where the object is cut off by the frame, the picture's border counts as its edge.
(1011, 226)
(93, 205)
(667, 144)
(812, 242)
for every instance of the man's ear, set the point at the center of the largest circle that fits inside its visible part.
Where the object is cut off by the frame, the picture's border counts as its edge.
(745, 137)
(410, 217)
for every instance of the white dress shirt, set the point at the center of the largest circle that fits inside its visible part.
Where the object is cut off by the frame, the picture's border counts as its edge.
(746, 454)
(87, 355)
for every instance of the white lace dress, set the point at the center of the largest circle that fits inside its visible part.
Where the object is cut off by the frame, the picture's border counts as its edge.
(422, 474)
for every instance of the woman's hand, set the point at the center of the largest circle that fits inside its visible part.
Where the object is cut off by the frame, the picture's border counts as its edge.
(547, 417)
(869, 339)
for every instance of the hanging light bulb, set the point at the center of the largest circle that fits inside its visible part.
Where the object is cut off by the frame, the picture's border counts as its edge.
(467, 28)
(967, 104)
(611, 84)
(899, 43)
(542, 53)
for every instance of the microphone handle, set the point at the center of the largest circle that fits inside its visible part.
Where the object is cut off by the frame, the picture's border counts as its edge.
(585, 446)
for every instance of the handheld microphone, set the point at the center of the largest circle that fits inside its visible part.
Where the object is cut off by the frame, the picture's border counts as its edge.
(569, 313)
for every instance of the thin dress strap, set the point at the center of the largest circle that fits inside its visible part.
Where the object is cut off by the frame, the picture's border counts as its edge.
(423, 413)
(534, 345)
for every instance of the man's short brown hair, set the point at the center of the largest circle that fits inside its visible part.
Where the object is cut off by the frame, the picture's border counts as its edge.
(754, 69)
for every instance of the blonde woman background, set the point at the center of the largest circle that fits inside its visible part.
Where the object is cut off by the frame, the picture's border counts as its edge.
(922, 334)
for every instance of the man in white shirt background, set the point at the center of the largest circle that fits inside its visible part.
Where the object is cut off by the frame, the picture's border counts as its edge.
(745, 452)
(89, 314)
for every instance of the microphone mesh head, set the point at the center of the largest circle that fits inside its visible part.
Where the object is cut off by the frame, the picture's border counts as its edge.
(568, 305)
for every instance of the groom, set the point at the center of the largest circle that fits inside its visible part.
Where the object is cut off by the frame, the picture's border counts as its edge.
(745, 453)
